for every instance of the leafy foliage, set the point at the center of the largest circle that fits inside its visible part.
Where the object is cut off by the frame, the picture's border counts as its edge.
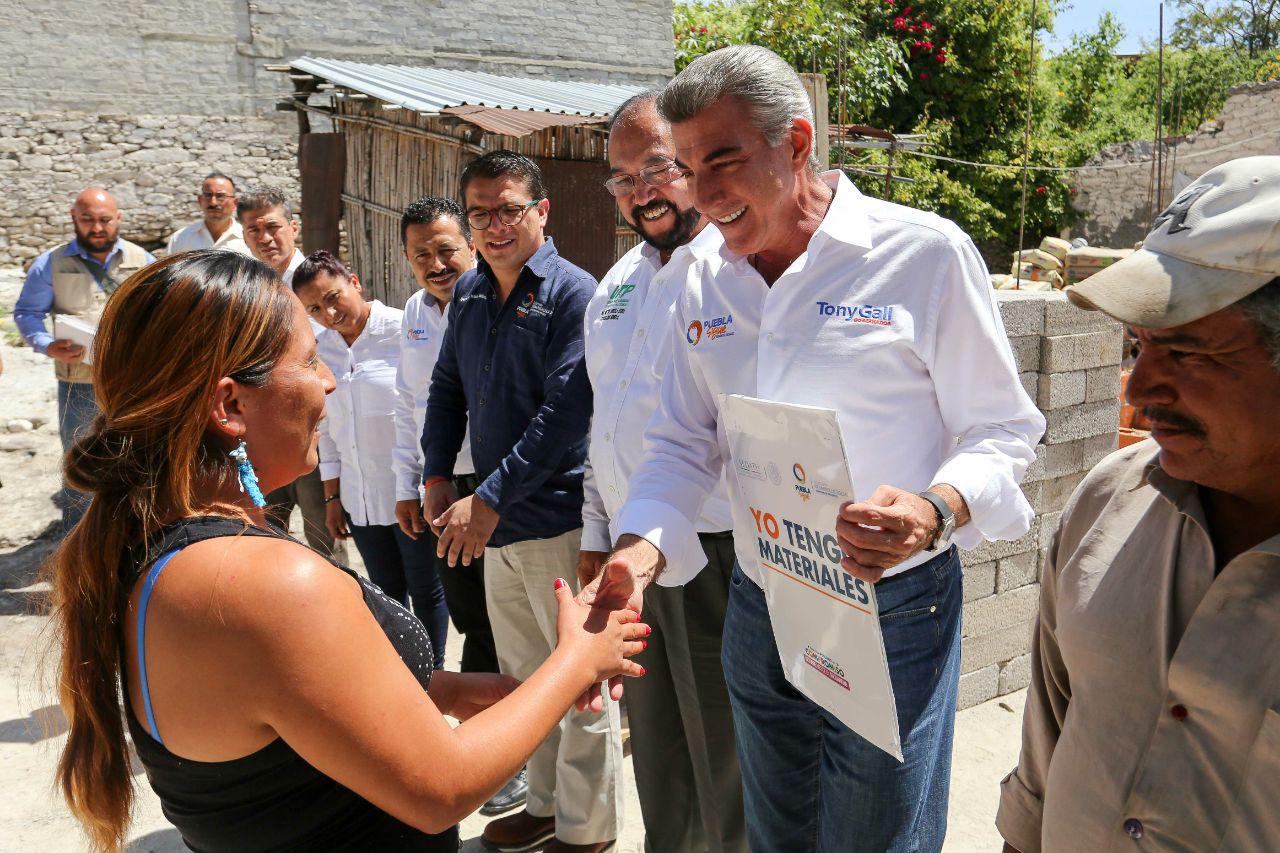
(1252, 26)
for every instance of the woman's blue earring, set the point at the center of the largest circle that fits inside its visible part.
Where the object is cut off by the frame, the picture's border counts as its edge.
(248, 479)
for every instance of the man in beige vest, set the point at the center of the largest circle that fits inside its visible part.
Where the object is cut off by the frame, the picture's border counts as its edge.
(271, 233)
(75, 280)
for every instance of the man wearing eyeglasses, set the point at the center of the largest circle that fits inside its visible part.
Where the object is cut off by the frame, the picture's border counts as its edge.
(511, 368)
(682, 742)
(218, 229)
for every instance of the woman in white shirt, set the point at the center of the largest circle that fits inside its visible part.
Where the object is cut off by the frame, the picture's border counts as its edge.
(361, 345)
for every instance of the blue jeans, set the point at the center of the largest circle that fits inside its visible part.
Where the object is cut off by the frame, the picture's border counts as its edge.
(405, 569)
(809, 782)
(77, 408)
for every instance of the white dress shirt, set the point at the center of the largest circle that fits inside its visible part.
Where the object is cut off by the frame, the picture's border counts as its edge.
(294, 263)
(628, 344)
(358, 433)
(424, 325)
(887, 318)
(197, 236)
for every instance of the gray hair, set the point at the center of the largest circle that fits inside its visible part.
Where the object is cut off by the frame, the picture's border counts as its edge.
(631, 105)
(756, 76)
(264, 198)
(1262, 308)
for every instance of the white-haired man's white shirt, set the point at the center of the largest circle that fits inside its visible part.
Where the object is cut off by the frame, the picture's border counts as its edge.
(888, 318)
(424, 325)
(628, 344)
(198, 236)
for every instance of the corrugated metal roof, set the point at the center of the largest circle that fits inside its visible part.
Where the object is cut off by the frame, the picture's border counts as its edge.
(516, 122)
(430, 90)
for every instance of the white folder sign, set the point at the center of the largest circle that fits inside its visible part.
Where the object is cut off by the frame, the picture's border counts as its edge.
(790, 466)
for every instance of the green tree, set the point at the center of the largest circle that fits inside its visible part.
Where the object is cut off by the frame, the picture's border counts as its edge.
(1252, 26)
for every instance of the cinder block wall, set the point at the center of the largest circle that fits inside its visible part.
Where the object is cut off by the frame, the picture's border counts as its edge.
(1069, 362)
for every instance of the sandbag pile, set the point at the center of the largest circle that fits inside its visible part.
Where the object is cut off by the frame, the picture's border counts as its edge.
(1055, 264)
(1087, 260)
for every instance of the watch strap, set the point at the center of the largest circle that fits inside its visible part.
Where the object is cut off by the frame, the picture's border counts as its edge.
(944, 515)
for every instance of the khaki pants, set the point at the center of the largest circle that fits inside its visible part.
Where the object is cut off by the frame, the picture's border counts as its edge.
(576, 773)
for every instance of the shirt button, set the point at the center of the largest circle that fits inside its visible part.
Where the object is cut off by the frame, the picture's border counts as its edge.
(622, 383)
(613, 489)
(486, 368)
(1133, 827)
(639, 333)
(608, 436)
(484, 400)
(493, 331)
(769, 336)
(1179, 712)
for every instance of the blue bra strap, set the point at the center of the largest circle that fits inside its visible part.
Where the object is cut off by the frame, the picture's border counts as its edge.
(147, 585)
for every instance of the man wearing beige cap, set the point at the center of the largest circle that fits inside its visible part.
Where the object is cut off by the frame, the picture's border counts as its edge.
(1153, 716)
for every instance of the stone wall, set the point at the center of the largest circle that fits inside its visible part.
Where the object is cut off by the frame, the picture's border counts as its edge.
(1069, 362)
(172, 90)
(1116, 202)
(152, 164)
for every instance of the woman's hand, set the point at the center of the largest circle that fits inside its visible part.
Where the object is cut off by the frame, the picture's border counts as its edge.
(336, 520)
(462, 695)
(596, 640)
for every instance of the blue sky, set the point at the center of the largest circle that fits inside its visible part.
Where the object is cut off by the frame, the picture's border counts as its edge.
(1140, 19)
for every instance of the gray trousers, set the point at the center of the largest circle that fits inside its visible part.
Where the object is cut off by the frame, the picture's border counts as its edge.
(576, 774)
(682, 742)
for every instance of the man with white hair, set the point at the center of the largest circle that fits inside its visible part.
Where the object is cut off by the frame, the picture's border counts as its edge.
(931, 410)
(1153, 716)
(75, 280)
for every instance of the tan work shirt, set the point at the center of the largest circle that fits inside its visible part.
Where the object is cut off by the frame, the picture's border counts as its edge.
(1153, 716)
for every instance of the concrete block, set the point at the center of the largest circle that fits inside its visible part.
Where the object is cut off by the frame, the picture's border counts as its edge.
(1050, 495)
(1026, 352)
(1093, 450)
(1036, 471)
(996, 647)
(1061, 317)
(1064, 353)
(978, 687)
(1015, 675)
(1059, 390)
(988, 551)
(1048, 526)
(1102, 383)
(1030, 383)
(1022, 312)
(979, 581)
(1017, 571)
(1083, 421)
(990, 614)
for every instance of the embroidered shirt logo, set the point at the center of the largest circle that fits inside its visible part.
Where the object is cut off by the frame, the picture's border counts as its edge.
(417, 334)
(711, 329)
(529, 305)
(872, 315)
(619, 300)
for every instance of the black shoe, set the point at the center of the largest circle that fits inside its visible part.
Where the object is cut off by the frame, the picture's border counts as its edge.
(512, 795)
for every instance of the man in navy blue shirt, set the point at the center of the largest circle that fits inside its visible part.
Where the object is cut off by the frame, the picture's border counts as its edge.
(511, 366)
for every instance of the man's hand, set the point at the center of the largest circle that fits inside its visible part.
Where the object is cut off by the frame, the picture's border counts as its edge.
(65, 351)
(464, 529)
(620, 584)
(336, 520)
(890, 527)
(409, 517)
(589, 564)
(439, 497)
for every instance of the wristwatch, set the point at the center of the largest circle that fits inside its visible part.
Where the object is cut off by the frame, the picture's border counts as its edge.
(946, 522)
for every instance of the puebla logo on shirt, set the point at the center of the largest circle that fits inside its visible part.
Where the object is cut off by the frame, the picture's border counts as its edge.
(530, 305)
(871, 315)
(712, 329)
(417, 334)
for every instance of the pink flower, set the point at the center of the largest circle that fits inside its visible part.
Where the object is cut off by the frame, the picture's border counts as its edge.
(1041, 190)
(941, 57)
(899, 23)
(926, 25)
(924, 76)
(702, 29)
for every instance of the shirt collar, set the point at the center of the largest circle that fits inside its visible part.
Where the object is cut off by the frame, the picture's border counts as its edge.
(1185, 497)
(74, 248)
(846, 220)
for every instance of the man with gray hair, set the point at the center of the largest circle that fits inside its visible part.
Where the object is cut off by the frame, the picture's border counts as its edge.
(1153, 716)
(917, 365)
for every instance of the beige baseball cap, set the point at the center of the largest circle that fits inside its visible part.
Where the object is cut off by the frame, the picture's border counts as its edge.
(1218, 242)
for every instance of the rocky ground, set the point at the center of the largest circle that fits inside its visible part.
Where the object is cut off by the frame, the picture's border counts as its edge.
(32, 728)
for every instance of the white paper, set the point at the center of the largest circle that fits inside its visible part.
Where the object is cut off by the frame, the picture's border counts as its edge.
(76, 330)
(790, 466)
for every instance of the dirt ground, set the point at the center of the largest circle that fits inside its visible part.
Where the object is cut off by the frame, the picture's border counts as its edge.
(32, 729)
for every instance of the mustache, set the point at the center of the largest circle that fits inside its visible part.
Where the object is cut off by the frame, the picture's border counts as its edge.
(656, 204)
(1170, 418)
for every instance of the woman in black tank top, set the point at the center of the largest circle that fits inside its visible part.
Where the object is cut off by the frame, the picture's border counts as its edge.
(277, 700)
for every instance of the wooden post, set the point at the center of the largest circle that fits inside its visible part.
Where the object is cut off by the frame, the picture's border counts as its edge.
(816, 86)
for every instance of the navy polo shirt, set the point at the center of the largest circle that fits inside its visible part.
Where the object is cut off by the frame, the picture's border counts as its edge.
(515, 373)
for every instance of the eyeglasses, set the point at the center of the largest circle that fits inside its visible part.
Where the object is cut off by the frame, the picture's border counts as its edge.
(509, 215)
(219, 197)
(657, 175)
